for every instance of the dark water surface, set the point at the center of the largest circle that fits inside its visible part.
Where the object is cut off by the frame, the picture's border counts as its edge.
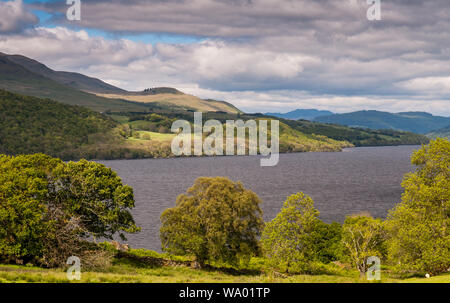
(355, 180)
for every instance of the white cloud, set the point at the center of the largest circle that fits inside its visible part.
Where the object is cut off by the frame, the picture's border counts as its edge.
(14, 17)
(428, 85)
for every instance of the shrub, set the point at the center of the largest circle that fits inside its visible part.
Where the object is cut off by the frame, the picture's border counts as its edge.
(216, 220)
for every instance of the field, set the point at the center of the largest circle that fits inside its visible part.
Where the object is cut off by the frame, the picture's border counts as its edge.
(146, 266)
(128, 273)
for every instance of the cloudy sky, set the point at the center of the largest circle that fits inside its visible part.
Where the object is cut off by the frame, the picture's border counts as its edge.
(261, 55)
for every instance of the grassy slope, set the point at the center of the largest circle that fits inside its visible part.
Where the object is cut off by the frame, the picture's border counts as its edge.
(181, 101)
(127, 269)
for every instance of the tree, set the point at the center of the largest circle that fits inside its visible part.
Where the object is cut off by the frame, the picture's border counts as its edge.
(327, 241)
(216, 220)
(23, 192)
(288, 240)
(362, 237)
(48, 208)
(95, 194)
(418, 226)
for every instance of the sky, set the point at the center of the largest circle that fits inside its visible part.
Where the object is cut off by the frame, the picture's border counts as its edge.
(260, 55)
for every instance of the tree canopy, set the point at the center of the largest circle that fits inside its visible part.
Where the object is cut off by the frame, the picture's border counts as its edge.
(41, 195)
(418, 226)
(296, 236)
(216, 220)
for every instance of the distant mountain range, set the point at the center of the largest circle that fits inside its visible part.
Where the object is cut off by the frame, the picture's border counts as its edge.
(417, 122)
(306, 114)
(29, 77)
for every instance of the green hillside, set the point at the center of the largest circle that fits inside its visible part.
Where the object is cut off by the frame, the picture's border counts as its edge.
(358, 136)
(31, 125)
(417, 122)
(442, 133)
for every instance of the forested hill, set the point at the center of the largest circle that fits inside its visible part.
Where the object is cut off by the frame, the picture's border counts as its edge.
(31, 125)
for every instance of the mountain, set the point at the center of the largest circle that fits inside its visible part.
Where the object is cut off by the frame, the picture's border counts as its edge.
(442, 133)
(306, 114)
(417, 122)
(18, 79)
(73, 80)
(29, 77)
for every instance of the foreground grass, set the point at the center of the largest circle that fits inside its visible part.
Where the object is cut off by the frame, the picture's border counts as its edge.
(146, 266)
(126, 271)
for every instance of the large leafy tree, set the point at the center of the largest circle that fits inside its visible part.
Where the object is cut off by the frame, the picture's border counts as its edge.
(419, 225)
(216, 220)
(95, 194)
(23, 195)
(46, 204)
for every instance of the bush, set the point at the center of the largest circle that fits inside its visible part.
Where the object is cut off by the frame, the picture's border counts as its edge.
(418, 226)
(216, 220)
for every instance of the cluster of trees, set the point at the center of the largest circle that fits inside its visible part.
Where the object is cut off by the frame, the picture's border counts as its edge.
(49, 209)
(32, 125)
(219, 220)
(155, 122)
